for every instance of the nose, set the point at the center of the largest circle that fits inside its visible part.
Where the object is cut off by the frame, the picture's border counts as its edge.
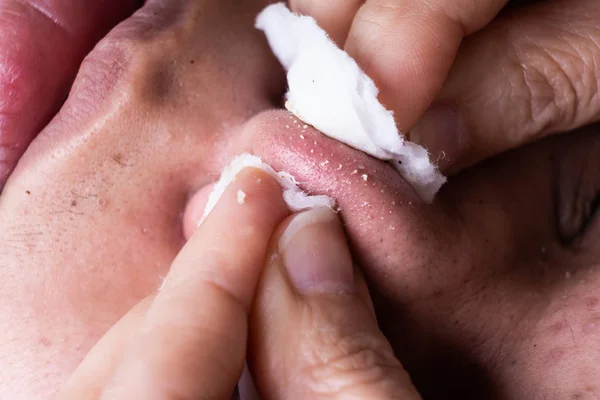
(385, 220)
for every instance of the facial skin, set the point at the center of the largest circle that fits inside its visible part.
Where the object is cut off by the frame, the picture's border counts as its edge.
(489, 292)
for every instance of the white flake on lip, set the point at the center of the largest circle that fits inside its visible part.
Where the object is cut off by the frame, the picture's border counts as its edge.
(329, 91)
(241, 197)
(295, 198)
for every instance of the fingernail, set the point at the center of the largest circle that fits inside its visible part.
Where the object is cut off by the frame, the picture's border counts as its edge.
(443, 132)
(315, 253)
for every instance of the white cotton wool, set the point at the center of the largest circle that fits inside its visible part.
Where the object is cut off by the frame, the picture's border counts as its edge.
(295, 198)
(328, 90)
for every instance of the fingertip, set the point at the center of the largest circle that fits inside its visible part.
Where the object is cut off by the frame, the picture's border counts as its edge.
(409, 47)
(443, 132)
(252, 192)
(256, 183)
(334, 16)
(407, 52)
(315, 253)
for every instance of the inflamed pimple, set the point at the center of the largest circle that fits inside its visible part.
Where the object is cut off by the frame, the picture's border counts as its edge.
(328, 90)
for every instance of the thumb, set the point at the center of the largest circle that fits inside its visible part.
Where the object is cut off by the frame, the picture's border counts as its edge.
(532, 73)
(313, 332)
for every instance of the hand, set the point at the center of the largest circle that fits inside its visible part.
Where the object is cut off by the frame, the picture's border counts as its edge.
(489, 292)
(188, 341)
(496, 80)
(313, 332)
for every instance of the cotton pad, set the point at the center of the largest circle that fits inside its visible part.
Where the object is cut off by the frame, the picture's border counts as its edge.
(328, 90)
(294, 197)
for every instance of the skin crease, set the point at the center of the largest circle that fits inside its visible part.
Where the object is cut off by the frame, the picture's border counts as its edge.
(486, 293)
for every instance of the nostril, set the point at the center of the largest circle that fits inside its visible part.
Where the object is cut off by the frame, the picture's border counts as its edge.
(195, 209)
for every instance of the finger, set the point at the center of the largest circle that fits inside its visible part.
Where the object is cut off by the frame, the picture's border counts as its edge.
(42, 43)
(313, 332)
(334, 16)
(195, 210)
(99, 365)
(408, 46)
(534, 72)
(192, 343)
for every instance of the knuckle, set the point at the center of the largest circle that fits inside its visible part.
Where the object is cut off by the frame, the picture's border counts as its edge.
(353, 362)
(561, 81)
(537, 93)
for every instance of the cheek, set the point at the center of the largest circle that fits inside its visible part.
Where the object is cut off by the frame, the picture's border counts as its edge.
(559, 345)
(93, 216)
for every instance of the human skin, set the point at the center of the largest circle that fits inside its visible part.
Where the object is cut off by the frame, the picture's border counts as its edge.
(290, 294)
(35, 72)
(489, 292)
(530, 73)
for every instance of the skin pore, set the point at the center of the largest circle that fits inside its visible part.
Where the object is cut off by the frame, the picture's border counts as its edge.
(489, 292)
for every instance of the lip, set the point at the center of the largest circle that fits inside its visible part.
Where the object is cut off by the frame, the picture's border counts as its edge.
(384, 218)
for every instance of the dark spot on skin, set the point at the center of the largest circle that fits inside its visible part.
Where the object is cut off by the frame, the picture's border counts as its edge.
(192, 61)
(28, 192)
(513, 362)
(118, 158)
(160, 87)
(74, 203)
